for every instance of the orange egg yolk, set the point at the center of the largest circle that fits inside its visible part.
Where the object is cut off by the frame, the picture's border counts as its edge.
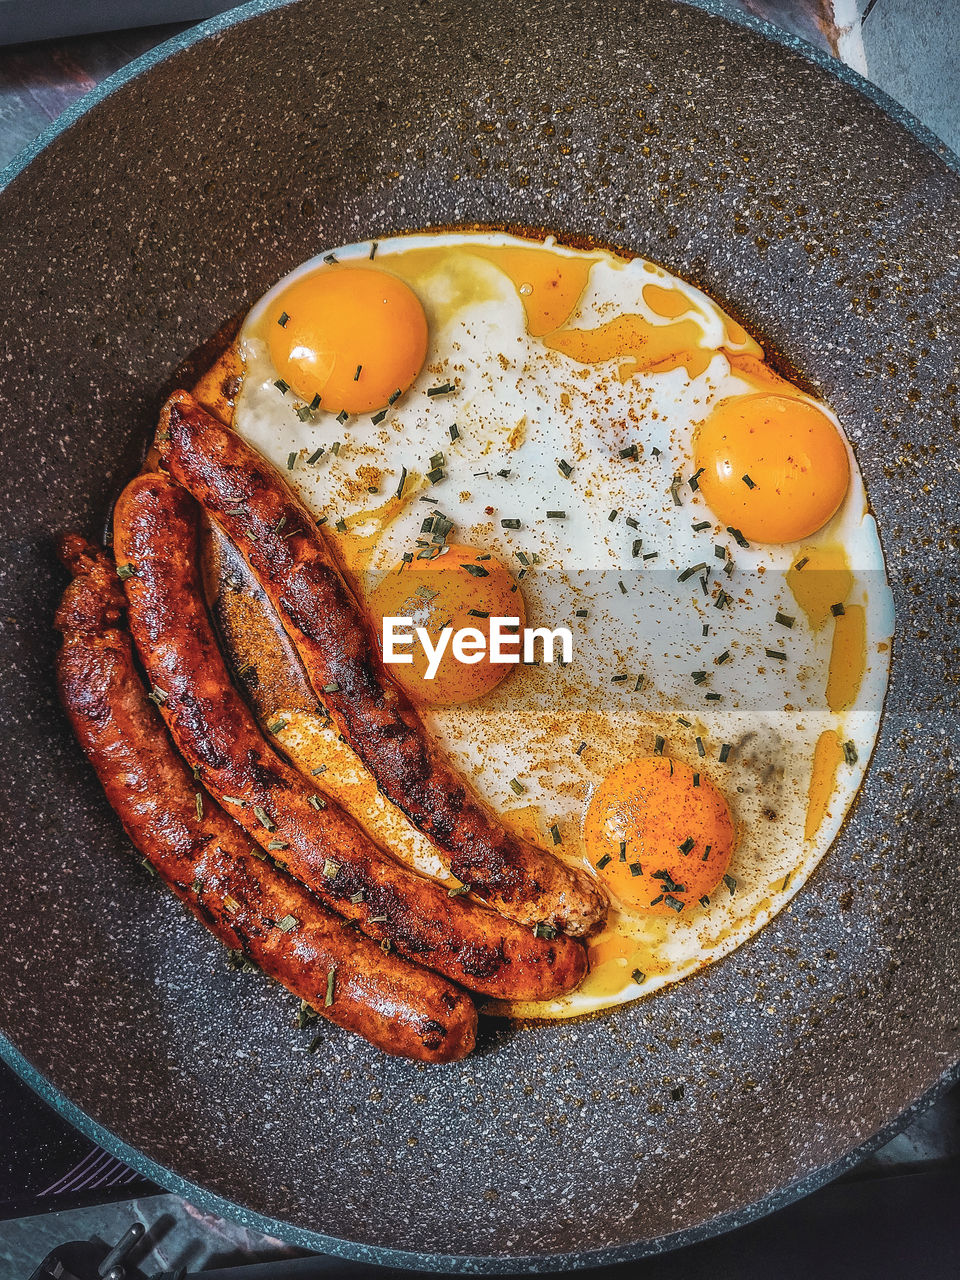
(448, 591)
(660, 835)
(354, 336)
(774, 467)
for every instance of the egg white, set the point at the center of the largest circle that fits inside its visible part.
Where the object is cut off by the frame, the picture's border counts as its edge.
(519, 407)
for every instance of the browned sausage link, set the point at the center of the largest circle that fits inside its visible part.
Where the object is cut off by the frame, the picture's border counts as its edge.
(213, 866)
(291, 558)
(155, 541)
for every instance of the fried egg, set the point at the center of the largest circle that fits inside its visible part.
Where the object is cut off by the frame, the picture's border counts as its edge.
(490, 426)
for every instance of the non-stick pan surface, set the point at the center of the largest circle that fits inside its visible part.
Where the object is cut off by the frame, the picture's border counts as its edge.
(175, 200)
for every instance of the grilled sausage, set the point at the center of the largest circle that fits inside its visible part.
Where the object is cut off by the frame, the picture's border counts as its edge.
(289, 555)
(211, 865)
(155, 541)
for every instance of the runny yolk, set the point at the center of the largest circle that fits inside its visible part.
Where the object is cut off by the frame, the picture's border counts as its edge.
(820, 587)
(823, 781)
(660, 834)
(819, 579)
(848, 657)
(449, 591)
(354, 336)
(642, 346)
(772, 466)
(549, 284)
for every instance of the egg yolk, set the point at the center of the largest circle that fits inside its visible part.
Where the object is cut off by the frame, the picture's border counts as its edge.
(660, 835)
(774, 467)
(449, 591)
(354, 336)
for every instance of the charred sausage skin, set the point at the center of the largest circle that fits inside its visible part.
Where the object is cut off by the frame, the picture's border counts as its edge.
(289, 555)
(211, 865)
(155, 541)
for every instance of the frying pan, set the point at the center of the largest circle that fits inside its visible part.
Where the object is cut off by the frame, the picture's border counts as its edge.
(824, 219)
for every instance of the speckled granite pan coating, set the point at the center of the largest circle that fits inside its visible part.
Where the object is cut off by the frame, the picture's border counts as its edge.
(179, 197)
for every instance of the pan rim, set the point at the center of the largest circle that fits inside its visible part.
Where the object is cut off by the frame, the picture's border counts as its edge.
(306, 1238)
(482, 1264)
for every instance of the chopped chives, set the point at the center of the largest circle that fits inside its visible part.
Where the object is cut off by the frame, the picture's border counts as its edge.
(556, 515)
(688, 573)
(282, 387)
(315, 456)
(785, 619)
(510, 524)
(555, 834)
(565, 467)
(282, 319)
(776, 653)
(850, 753)
(725, 752)
(604, 862)
(837, 610)
(748, 482)
(291, 460)
(659, 745)
(444, 389)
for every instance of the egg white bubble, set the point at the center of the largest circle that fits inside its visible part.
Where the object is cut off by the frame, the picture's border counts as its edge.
(519, 407)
